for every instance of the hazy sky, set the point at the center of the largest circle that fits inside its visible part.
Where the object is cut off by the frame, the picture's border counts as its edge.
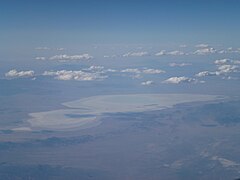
(151, 43)
(28, 22)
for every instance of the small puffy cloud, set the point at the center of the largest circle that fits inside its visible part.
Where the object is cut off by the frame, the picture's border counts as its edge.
(161, 53)
(144, 71)
(227, 68)
(226, 61)
(178, 80)
(47, 48)
(74, 75)
(136, 76)
(230, 78)
(42, 48)
(173, 53)
(205, 51)
(236, 62)
(222, 52)
(222, 69)
(111, 70)
(228, 51)
(222, 61)
(153, 71)
(136, 54)
(176, 53)
(233, 50)
(15, 74)
(65, 57)
(60, 49)
(94, 68)
(110, 56)
(147, 83)
(179, 64)
(205, 73)
(202, 46)
(40, 58)
(183, 46)
(131, 70)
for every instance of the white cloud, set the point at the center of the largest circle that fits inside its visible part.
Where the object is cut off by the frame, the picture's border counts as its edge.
(222, 61)
(147, 83)
(40, 58)
(42, 48)
(183, 46)
(179, 64)
(229, 50)
(173, 53)
(178, 80)
(153, 71)
(202, 46)
(222, 51)
(136, 76)
(74, 75)
(60, 49)
(230, 78)
(205, 51)
(161, 53)
(222, 69)
(110, 56)
(176, 53)
(136, 54)
(94, 68)
(15, 74)
(236, 62)
(111, 70)
(65, 57)
(226, 61)
(130, 70)
(144, 71)
(226, 68)
(47, 48)
(205, 73)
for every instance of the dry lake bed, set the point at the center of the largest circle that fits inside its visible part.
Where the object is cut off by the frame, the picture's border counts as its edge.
(84, 113)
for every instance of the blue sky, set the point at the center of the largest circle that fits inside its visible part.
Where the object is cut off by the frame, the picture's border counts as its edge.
(111, 21)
